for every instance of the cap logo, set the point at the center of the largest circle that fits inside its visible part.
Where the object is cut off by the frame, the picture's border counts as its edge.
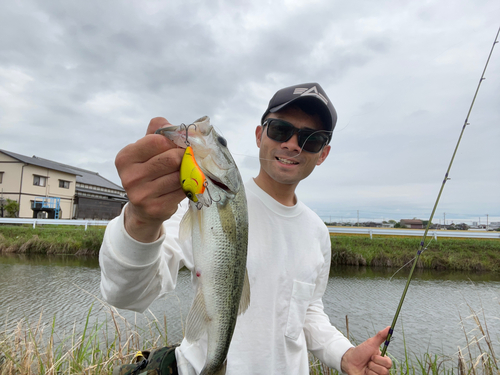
(313, 91)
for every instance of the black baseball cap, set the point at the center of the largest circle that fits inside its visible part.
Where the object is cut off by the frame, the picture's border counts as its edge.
(311, 98)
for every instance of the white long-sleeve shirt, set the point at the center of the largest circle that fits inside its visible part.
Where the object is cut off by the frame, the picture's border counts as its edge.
(288, 264)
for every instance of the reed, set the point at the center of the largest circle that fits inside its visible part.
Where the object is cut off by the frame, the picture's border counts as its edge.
(36, 348)
(478, 357)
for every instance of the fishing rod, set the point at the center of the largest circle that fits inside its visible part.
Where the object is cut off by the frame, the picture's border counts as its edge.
(446, 178)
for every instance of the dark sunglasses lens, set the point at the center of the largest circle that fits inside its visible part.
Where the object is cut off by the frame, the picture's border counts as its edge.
(312, 142)
(282, 131)
(279, 131)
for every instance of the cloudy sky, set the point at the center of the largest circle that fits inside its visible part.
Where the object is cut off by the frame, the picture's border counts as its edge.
(79, 80)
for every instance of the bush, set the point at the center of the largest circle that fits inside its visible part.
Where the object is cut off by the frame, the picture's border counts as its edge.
(12, 208)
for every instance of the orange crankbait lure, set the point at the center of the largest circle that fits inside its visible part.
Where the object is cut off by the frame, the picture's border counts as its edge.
(192, 179)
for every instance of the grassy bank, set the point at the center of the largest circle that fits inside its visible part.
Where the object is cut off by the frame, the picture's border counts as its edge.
(444, 253)
(357, 250)
(51, 240)
(36, 348)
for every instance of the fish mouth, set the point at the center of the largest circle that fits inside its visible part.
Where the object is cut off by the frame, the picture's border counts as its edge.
(214, 180)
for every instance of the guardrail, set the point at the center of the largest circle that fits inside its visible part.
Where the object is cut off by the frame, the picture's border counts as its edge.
(414, 232)
(351, 230)
(34, 222)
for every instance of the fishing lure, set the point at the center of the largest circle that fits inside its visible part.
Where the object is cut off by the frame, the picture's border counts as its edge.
(193, 181)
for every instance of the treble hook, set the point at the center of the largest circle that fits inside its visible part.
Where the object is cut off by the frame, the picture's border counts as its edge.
(207, 202)
(210, 195)
(188, 144)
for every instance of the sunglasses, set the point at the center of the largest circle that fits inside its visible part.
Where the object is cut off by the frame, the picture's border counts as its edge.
(308, 140)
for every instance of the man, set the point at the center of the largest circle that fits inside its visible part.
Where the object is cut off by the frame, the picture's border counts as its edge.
(289, 248)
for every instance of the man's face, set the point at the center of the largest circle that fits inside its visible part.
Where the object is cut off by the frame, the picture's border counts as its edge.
(284, 162)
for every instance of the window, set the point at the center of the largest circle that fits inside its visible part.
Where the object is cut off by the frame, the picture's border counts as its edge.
(39, 180)
(64, 184)
(1, 177)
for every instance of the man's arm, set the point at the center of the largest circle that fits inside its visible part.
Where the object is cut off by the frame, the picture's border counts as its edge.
(138, 259)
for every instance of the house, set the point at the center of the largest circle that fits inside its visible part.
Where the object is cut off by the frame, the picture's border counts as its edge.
(48, 189)
(412, 223)
(494, 225)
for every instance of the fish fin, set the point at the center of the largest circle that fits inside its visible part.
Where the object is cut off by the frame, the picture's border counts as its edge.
(197, 319)
(245, 295)
(186, 225)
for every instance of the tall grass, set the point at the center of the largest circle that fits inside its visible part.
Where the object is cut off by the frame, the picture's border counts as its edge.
(478, 357)
(36, 348)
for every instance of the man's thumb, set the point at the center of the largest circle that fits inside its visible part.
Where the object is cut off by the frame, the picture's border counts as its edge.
(381, 336)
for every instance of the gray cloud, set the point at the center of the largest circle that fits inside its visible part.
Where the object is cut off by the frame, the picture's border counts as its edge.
(86, 77)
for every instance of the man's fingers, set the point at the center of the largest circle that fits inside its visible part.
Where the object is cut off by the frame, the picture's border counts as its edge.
(162, 206)
(145, 149)
(141, 192)
(379, 364)
(164, 166)
(375, 368)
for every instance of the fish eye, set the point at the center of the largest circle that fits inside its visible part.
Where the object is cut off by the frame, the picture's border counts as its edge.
(222, 141)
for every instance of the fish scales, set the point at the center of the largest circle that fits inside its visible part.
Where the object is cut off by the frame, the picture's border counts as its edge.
(221, 263)
(218, 226)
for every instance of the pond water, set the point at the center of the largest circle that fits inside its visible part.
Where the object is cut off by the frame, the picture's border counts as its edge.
(437, 304)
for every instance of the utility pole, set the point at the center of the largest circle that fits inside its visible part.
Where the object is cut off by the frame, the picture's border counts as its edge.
(358, 218)
(487, 222)
(444, 220)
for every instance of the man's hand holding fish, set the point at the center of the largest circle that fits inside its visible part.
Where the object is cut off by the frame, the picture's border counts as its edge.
(149, 170)
(259, 257)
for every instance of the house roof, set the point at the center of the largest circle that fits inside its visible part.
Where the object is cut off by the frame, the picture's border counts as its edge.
(83, 190)
(411, 221)
(82, 175)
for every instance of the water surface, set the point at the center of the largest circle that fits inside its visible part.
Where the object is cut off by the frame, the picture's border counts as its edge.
(436, 305)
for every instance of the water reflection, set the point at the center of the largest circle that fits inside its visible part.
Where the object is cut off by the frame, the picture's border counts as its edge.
(437, 303)
(52, 260)
(421, 274)
(436, 306)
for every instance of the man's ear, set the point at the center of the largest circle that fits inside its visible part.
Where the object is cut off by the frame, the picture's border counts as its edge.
(258, 135)
(324, 154)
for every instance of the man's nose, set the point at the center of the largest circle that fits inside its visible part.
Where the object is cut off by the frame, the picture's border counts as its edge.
(292, 144)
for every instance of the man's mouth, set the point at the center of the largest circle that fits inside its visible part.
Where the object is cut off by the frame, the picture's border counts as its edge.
(286, 161)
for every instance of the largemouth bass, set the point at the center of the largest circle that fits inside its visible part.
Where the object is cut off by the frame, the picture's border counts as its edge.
(217, 221)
